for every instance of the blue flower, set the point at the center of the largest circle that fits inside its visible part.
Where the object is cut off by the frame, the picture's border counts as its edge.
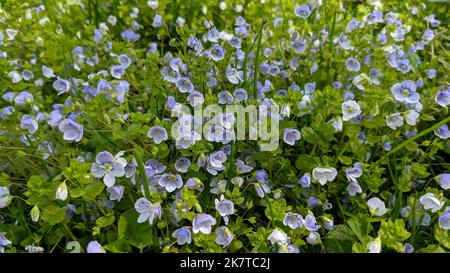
(169, 74)
(194, 184)
(223, 206)
(443, 180)
(4, 197)
(72, 130)
(3, 241)
(352, 25)
(158, 134)
(195, 98)
(61, 85)
(350, 110)
(353, 188)
(305, 180)
(354, 172)
(183, 236)
(290, 136)
(242, 167)
(55, 118)
(352, 64)
(29, 123)
(23, 98)
(405, 92)
(225, 97)
(157, 21)
(203, 223)
(310, 222)
(394, 121)
(408, 248)
(313, 202)
(279, 237)
(376, 206)
(303, 11)
(130, 35)
(98, 36)
(442, 132)
(182, 164)
(234, 76)
(444, 219)
(147, 210)
(216, 53)
(403, 66)
(299, 46)
(170, 182)
(184, 84)
(215, 161)
(293, 220)
(223, 236)
(108, 167)
(442, 97)
(95, 247)
(116, 192)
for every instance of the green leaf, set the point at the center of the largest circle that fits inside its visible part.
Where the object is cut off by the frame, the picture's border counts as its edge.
(339, 240)
(139, 235)
(393, 233)
(53, 214)
(305, 163)
(36, 182)
(92, 190)
(441, 236)
(309, 135)
(360, 226)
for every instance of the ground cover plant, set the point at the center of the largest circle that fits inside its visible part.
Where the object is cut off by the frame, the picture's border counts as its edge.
(224, 126)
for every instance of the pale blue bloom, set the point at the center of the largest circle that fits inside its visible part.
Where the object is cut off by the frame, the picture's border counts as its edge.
(223, 236)
(394, 121)
(353, 188)
(405, 92)
(29, 123)
(290, 136)
(158, 134)
(216, 53)
(442, 132)
(183, 236)
(182, 164)
(203, 223)
(147, 210)
(305, 180)
(23, 98)
(157, 21)
(72, 131)
(108, 167)
(130, 35)
(310, 222)
(95, 247)
(303, 11)
(444, 219)
(184, 84)
(442, 97)
(61, 85)
(116, 192)
(443, 180)
(4, 196)
(376, 206)
(242, 167)
(354, 172)
(170, 182)
(352, 64)
(223, 206)
(293, 220)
